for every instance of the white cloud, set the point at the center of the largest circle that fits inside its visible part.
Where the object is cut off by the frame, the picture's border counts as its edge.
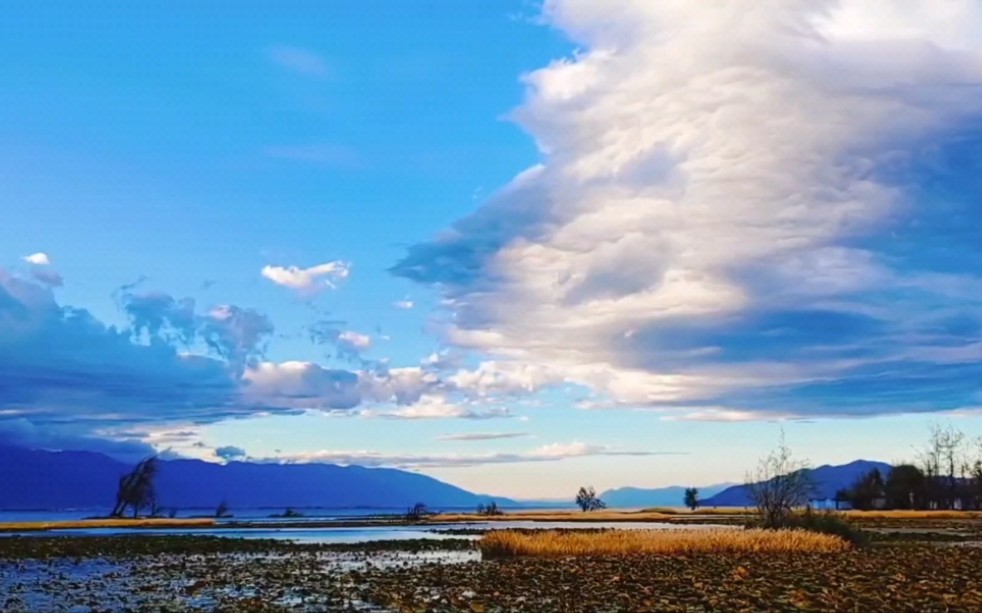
(308, 281)
(404, 304)
(355, 341)
(42, 270)
(703, 226)
(38, 259)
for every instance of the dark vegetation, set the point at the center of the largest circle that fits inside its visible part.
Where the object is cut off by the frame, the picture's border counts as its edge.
(137, 489)
(417, 513)
(288, 513)
(947, 476)
(691, 498)
(490, 509)
(588, 500)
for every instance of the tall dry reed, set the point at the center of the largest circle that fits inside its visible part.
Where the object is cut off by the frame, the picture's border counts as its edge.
(553, 544)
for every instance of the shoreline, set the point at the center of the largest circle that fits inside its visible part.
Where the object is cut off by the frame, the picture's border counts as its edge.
(735, 516)
(434, 521)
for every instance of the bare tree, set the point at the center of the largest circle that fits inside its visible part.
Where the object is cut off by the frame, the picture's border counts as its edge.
(137, 489)
(941, 461)
(778, 485)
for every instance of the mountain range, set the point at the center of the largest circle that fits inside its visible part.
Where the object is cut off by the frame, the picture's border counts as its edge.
(825, 481)
(33, 479)
(671, 496)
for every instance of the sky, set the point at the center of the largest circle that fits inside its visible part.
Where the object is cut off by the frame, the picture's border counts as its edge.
(518, 246)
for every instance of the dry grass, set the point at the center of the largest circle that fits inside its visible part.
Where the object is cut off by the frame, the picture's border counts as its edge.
(552, 544)
(34, 526)
(900, 514)
(562, 516)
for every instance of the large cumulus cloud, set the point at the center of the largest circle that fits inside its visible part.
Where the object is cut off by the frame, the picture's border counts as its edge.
(764, 208)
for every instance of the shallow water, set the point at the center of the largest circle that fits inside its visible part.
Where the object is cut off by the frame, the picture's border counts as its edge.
(369, 533)
(301, 581)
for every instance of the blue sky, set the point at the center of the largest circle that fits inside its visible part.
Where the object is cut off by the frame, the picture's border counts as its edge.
(519, 247)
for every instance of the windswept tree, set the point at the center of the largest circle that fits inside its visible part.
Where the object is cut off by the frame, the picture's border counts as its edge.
(691, 498)
(778, 485)
(137, 489)
(588, 500)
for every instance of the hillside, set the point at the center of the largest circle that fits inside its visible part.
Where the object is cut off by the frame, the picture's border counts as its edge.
(31, 479)
(826, 480)
(671, 496)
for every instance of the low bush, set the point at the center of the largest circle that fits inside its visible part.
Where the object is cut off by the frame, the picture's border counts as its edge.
(828, 522)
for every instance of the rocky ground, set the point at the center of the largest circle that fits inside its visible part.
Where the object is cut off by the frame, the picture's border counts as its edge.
(139, 573)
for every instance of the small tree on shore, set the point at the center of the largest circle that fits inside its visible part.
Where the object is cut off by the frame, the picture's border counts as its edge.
(691, 498)
(588, 500)
(778, 485)
(417, 512)
(137, 489)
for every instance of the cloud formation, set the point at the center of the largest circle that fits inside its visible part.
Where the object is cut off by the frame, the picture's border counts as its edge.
(547, 453)
(42, 269)
(308, 281)
(482, 436)
(740, 211)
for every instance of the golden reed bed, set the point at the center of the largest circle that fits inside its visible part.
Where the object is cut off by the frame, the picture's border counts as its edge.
(553, 544)
(158, 522)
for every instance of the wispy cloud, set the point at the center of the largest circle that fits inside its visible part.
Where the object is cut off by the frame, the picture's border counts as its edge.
(546, 453)
(299, 61)
(483, 436)
(337, 156)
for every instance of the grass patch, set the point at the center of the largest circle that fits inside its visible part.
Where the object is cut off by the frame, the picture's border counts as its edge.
(553, 544)
(901, 514)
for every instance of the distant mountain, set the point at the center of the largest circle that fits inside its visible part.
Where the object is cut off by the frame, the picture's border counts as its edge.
(32, 479)
(672, 496)
(826, 481)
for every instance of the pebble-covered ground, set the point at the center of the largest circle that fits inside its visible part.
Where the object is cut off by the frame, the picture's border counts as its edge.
(142, 573)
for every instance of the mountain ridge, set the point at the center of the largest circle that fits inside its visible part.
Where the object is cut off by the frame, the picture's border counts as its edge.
(668, 496)
(36, 479)
(826, 479)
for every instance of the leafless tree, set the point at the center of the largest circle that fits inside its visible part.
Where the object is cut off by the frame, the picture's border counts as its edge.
(779, 484)
(942, 460)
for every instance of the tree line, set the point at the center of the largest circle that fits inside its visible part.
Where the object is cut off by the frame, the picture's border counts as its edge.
(947, 474)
